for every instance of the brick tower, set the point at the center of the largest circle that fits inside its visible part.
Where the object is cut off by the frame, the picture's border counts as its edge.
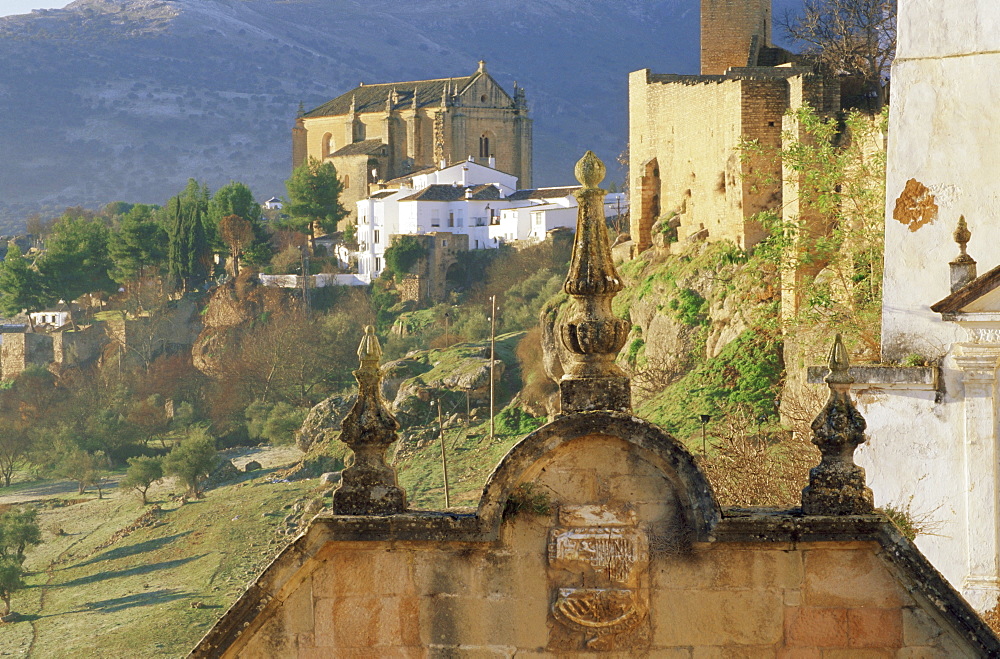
(731, 32)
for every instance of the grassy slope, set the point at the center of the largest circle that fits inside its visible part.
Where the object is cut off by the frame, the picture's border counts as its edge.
(134, 597)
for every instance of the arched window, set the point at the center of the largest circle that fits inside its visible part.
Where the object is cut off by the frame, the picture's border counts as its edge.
(328, 145)
(347, 181)
(484, 146)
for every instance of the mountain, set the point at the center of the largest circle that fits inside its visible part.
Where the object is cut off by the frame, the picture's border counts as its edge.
(126, 99)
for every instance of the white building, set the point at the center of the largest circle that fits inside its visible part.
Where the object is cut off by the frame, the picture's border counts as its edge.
(933, 442)
(466, 198)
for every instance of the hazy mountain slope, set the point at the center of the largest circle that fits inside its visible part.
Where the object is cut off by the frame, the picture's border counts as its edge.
(126, 99)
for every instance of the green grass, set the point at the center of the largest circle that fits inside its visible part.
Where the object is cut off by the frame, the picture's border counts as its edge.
(133, 597)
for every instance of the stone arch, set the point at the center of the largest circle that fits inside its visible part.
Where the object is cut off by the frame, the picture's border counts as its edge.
(455, 278)
(329, 146)
(649, 206)
(696, 499)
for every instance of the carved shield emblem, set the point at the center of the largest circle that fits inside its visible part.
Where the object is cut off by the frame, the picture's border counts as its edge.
(596, 559)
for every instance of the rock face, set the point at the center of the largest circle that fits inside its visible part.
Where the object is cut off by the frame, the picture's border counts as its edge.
(229, 315)
(323, 422)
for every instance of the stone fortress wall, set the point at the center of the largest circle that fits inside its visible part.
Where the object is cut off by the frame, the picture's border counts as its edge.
(685, 131)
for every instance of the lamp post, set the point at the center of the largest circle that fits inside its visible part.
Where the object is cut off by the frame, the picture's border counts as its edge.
(444, 458)
(705, 418)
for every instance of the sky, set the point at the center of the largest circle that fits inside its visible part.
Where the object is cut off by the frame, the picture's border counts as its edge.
(8, 7)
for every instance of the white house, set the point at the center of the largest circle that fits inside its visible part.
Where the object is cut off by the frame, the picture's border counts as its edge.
(466, 198)
(272, 204)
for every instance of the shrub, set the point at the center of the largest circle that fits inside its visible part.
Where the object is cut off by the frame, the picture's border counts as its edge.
(192, 460)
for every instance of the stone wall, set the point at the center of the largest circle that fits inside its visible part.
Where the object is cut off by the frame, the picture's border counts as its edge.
(80, 347)
(628, 559)
(20, 350)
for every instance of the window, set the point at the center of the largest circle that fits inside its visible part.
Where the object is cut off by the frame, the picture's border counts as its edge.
(347, 181)
(444, 243)
(461, 221)
(377, 236)
(435, 218)
(536, 219)
(451, 219)
(378, 264)
(484, 146)
(477, 244)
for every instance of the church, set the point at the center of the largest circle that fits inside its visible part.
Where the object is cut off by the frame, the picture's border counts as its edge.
(379, 132)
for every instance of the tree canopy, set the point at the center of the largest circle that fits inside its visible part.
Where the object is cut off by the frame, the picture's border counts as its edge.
(314, 197)
(189, 254)
(76, 260)
(20, 286)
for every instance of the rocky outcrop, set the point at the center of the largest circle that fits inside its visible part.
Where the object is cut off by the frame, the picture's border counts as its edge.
(229, 315)
(322, 424)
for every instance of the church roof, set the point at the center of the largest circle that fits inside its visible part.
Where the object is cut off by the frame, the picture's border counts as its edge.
(371, 98)
(448, 192)
(362, 148)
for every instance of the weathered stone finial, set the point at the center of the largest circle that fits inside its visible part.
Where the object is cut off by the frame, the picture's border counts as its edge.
(354, 105)
(482, 66)
(836, 484)
(302, 109)
(963, 268)
(414, 103)
(369, 487)
(592, 333)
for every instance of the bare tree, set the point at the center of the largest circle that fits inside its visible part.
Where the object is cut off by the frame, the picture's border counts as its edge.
(854, 37)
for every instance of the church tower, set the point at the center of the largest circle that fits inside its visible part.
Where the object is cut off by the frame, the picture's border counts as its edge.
(731, 31)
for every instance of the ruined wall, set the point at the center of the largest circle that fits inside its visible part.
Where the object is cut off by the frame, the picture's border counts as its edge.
(612, 567)
(20, 350)
(727, 28)
(79, 347)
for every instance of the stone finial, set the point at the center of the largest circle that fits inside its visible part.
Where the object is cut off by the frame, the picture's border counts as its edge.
(482, 66)
(354, 105)
(836, 484)
(302, 109)
(414, 104)
(592, 333)
(368, 487)
(963, 268)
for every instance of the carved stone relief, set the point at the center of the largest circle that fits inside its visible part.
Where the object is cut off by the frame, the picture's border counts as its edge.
(598, 558)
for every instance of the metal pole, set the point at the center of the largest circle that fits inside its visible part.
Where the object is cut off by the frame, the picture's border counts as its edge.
(447, 317)
(493, 336)
(444, 458)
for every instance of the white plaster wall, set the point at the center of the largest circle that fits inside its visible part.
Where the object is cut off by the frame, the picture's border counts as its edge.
(914, 462)
(943, 126)
(944, 123)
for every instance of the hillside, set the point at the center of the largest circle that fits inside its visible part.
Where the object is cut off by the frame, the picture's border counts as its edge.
(127, 99)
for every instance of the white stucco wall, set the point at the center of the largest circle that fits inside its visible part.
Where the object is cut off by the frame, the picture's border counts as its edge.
(935, 452)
